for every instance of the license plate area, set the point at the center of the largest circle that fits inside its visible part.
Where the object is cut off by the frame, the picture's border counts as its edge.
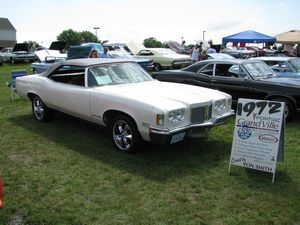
(177, 137)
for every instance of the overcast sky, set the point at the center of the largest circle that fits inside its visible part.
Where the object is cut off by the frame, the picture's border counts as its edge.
(135, 20)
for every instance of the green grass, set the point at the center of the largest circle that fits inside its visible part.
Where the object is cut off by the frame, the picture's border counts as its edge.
(66, 172)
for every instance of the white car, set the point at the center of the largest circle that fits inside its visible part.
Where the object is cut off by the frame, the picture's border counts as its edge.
(119, 94)
(19, 53)
(165, 58)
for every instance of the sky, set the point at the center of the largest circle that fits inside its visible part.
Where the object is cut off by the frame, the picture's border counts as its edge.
(135, 20)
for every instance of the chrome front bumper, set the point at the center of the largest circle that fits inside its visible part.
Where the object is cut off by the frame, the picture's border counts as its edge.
(165, 135)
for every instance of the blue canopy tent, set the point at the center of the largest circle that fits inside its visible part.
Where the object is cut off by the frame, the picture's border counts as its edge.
(248, 36)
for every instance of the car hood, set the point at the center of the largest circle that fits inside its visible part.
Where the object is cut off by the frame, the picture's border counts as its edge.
(175, 46)
(281, 80)
(164, 95)
(57, 45)
(42, 54)
(21, 47)
(135, 47)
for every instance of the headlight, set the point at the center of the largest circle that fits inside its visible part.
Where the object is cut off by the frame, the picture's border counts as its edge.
(220, 107)
(176, 115)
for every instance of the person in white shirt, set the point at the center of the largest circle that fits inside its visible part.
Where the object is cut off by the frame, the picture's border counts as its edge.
(195, 53)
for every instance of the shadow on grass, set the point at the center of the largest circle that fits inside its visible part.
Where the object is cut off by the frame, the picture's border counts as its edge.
(152, 161)
(155, 162)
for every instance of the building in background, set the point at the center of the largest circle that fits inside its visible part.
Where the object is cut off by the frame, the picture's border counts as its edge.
(8, 36)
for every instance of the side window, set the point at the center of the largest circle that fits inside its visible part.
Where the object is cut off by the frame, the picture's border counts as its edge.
(223, 70)
(236, 71)
(208, 70)
(69, 75)
(285, 67)
(145, 53)
(281, 67)
(271, 63)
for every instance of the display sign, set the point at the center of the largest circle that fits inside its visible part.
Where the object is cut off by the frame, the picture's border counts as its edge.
(258, 139)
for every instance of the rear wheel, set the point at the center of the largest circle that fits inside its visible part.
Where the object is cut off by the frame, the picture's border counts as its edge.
(157, 67)
(40, 111)
(289, 109)
(125, 135)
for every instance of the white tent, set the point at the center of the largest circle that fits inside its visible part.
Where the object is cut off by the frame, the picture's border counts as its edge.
(289, 37)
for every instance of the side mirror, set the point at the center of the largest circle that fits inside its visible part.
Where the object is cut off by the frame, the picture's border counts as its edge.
(246, 78)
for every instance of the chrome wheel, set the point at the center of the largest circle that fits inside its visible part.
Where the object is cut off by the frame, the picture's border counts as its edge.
(122, 135)
(38, 109)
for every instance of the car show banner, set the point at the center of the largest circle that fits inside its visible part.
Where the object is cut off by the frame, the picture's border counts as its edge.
(258, 140)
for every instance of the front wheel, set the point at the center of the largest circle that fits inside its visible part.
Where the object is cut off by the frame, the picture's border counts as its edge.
(125, 135)
(40, 111)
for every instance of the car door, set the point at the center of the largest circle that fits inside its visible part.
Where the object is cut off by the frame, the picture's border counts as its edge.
(234, 80)
(68, 96)
(204, 75)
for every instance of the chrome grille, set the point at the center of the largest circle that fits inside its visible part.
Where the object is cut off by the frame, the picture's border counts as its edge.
(201, 114)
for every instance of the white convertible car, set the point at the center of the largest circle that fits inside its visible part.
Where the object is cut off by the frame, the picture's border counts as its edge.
(119, 94)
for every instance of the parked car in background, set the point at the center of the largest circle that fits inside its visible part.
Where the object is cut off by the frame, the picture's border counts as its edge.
(47, 57)
(19, 53)
(1, 59)
(261, 52)
(121, 95)
(218, 56)
(117, 46)
(239, 52)
(164, 58)
(241, 79)
(147, 64)
(83, 50)
(284, 66)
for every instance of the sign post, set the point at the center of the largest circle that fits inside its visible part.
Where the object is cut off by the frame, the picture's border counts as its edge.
(258, 140)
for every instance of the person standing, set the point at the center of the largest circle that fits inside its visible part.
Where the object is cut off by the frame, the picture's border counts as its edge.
(195, 53)
(105, 53)
(93, 53)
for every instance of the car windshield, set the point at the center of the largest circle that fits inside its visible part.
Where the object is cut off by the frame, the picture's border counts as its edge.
(117, 73)
(295, 63)
(259, 70)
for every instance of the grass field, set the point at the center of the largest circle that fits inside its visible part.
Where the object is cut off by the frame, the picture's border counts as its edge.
(66, 172)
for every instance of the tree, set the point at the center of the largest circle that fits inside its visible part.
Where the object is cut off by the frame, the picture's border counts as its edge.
(32, 45)
(72, 37)
(152, 43)
(88, 36)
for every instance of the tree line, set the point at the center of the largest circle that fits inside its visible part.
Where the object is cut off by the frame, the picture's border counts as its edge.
(72, 37)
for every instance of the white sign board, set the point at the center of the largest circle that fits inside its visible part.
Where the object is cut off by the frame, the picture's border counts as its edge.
(257, 134)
